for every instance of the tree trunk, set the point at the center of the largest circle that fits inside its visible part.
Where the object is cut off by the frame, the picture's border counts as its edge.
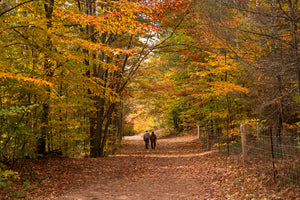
(93, 137)
(41, 147)
(120, 121)
(293, 26)
(48, 65)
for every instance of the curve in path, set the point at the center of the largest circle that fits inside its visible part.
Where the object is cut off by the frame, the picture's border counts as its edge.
(166, 155)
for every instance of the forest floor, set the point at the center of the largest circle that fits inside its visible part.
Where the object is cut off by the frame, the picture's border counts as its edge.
(179, 168)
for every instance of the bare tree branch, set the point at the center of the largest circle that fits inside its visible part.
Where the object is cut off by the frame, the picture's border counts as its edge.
(14, 7)
(141, 58)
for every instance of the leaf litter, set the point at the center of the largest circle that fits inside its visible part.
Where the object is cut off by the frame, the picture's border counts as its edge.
(180, 168)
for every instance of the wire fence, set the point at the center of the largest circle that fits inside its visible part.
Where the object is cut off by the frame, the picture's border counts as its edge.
(276, 153)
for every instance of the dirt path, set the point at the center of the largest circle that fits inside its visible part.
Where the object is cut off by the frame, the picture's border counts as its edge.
(175, 170)
(179, 169)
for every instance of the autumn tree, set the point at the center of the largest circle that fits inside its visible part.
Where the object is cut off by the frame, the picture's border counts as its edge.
(265, 32)
(65, 67)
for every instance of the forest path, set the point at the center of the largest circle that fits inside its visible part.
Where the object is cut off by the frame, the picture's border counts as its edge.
(178, 169)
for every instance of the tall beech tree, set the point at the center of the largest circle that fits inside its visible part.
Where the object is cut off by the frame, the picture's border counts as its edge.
(123, 63)
(48, 71)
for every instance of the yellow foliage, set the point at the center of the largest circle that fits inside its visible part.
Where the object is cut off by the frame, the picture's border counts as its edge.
(21, 78)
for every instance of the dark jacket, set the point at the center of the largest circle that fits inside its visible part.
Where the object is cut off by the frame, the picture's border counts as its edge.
(153, 137)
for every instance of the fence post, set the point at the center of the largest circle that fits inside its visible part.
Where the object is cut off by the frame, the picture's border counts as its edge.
(244, 141)
(198, 128)
(207, 133)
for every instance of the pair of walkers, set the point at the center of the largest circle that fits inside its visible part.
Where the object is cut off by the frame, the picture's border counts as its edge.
(152, 138)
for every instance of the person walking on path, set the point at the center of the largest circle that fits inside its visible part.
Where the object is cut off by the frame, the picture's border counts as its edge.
(146, 139)
(153, 140)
